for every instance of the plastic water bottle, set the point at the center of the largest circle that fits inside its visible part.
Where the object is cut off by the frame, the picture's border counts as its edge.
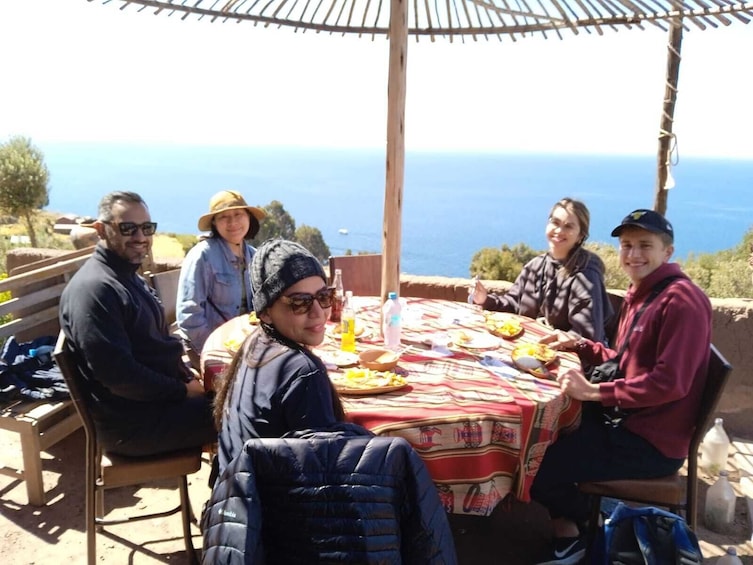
(719, 512)
(43, 353)
(729, 558)
(715, 448)
(392, 322)
(337, 303)
(348, 324)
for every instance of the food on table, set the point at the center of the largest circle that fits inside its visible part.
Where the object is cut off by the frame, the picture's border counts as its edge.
(233, 344)
(359, 378)
(337, 330)
(506, 327)
(460, 337)
(539, 351)
(252, 319)
(378, 359)
(340, 358)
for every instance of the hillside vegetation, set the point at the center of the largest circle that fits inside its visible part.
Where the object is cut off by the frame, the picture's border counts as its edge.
(725, 274)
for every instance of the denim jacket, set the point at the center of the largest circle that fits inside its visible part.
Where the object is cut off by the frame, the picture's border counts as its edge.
(211, 270)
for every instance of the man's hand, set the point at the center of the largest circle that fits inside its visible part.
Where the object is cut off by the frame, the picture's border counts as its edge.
(575, 385)
(194, 387)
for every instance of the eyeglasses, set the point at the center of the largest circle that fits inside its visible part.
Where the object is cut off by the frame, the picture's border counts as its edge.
(564, 226)
(301, 302)
(129, 228)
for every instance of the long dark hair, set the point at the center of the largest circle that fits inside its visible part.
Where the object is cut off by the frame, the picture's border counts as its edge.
(224, 385)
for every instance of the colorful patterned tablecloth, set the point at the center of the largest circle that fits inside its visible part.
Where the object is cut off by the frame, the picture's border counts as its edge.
(480, 426)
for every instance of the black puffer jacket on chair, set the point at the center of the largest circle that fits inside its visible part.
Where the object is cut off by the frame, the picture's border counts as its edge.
(340, 495)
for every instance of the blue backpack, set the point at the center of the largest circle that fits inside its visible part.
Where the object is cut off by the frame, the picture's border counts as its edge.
(647, 536)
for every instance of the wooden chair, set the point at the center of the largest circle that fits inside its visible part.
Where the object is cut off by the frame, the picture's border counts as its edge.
(112, 471)
(361, 273)
(165, 284)
(676, 492)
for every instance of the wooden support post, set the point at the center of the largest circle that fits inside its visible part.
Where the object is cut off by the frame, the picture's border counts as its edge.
(395, 166)
(666, 136)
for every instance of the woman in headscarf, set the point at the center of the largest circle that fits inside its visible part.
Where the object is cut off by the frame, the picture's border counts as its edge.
(275, 383)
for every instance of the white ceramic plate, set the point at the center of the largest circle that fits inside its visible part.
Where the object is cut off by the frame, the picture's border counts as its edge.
(475, 340)
(339, 358)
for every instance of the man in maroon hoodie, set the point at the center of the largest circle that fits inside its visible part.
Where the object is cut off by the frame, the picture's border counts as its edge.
(638, 426)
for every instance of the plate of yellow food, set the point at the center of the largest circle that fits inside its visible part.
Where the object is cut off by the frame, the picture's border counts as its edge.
(474, 340)
(360, 381)
(539, 351)
(233, 344)
(504, 326)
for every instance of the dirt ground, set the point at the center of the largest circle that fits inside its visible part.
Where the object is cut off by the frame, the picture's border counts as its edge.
(516, 534)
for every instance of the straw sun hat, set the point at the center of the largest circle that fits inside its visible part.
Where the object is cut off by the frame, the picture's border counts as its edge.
(227, 200)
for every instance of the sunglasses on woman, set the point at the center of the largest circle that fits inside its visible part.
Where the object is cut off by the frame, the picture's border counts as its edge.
(129, 228)
(301, 302)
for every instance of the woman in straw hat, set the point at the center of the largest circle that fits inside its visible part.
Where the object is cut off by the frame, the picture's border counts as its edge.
(214, 281)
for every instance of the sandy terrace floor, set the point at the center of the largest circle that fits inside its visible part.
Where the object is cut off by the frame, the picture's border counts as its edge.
(516, 534)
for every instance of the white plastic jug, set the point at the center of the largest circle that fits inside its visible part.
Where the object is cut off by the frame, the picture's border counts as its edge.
(715, 448)
(729, 558)
(720, 504)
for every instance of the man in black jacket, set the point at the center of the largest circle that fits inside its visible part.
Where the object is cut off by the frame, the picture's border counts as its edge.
(142, 397)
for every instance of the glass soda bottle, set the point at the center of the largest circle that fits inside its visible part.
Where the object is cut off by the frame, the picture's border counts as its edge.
(715, 448)
(392, 322)
(348, 324)
(719, 512)
(337, 303)
(729, 558)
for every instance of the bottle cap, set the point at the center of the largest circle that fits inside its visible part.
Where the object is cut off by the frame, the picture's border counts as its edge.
(392, 295)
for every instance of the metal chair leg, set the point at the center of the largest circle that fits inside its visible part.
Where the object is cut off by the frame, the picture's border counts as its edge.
(187, 517)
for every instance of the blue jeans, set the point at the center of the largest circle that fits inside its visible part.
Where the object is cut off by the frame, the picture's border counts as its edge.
(595, 451)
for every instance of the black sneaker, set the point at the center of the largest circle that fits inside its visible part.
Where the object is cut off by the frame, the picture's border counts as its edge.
(566, 551)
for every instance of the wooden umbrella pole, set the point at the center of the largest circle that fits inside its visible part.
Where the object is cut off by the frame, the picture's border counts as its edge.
(395, 165)
(666, 136)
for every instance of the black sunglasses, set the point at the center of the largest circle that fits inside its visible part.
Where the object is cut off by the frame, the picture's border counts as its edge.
(129, 228)
(301, 302)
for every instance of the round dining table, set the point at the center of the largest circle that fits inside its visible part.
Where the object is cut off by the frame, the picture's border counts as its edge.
(479, 423)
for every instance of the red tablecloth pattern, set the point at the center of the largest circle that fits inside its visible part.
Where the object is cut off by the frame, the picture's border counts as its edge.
(481, 432)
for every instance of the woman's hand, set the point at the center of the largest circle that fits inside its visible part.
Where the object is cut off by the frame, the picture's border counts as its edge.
(478, 293)
(562, 341)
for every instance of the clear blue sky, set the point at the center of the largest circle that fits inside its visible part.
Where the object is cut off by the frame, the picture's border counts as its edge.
(80, 71)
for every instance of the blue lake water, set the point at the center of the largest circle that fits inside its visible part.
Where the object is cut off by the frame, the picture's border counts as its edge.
(453, 204)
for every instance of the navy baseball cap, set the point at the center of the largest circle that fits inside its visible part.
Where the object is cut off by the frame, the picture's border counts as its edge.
(648, 220)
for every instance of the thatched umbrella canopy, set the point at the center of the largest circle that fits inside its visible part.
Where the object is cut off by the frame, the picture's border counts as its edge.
(458, 19)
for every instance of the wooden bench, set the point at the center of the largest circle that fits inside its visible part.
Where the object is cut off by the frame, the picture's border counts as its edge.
(35, 289)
